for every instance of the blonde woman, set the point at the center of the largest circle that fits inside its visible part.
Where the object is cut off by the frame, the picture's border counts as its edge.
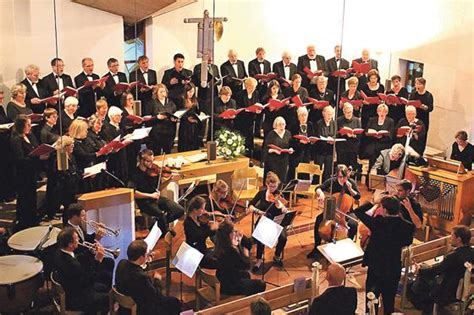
(245, 121)
(164, 128)
(17, 105)
(277, 161)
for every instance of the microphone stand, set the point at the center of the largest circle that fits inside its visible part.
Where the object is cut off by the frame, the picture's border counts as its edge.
(118, 180)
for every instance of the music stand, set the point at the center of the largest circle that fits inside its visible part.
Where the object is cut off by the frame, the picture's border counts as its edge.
(186, 260)
(153, 237)
(267, 232)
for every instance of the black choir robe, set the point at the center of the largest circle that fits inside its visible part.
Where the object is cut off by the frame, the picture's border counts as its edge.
(245, 121)
(190, 133)
(277, 163)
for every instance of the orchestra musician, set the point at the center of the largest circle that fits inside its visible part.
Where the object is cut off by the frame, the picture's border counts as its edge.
(88, 95)
(410, 209)
(320, 92)
(57, 80)
(269, 201)
(148, 79)
(313, 62)
(176, 80)
(48, 134)
(365, 58)
(198, 226)
(77, 273)
(352, 94)
(22, 142)
(371, 89)
(204, 94)
(147, 192)
(68, 114)
(17, 104)
(343, 184)
(133, 281)
(190, 133)
(221, 104)
(163, 129)
(233, 263)
(302, 148)
(418, 140)
(333, 64)
(388, 160)
(273, 92)
(115, 76)
(285, 69)
(277, 161)
(426, 99)
(347, 151)
(462, 150)
(397, 111)
(337, 298)
(34, 89)
(245, 121)
(323, 150)
(233, 72)
(389, 234)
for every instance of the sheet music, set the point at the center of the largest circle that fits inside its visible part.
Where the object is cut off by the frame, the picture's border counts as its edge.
(180, 113)
(342, 251)
(6, 126)
(303, 185)
(139, 134)
(267, 232)
(94, 169)
(187, 259)
(153, 237)
(188, 191)
(197, 157)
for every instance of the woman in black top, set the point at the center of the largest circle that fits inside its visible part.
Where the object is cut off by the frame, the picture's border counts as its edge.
(221, 104)
(233, 263)
(128, 126)
(197, 231)
(289, 112)
(91, 144)
(320, 93)
(323, 150)
(397, 111)
(378, 142)
(275, 160)
(23, 142)
(462, 150)
(350, 94)
(190, 127)
(163, 129)
(347, 151)
(112, 129)
(17, 104)
(302, 148)
(245, 121)
(426, 99)
(371, 89)
(273, 92)
(265, 202)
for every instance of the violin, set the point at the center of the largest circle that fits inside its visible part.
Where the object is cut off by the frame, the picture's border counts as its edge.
(229, 203)
(207, 217)
(155, 170)
(278, 200)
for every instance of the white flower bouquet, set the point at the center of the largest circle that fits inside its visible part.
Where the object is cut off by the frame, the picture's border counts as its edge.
(230, 144)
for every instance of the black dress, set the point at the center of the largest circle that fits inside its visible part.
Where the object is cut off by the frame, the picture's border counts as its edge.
(196, 236)
(347, 151)
(288, 113)
(117, 163)
(375, 146)
(269, 116)
(466, 156)
(163, 132)
(302, 152)
(426, 99)
(26, 175)
(190, 133)
(13, 110)
(355, 97)
(277, 163)
(245, 121)
(327, 95)
(370, 110)
(397, 112)
(323, 151)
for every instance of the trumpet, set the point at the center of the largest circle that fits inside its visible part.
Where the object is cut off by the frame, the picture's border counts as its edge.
(108, 230)
(111, 253)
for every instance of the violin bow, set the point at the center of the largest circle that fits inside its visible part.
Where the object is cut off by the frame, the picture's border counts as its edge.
(212, 202)
(237, 199)
(161, 172)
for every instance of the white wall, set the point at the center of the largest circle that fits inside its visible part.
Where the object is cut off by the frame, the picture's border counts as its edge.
(27, 36)
(438, 33)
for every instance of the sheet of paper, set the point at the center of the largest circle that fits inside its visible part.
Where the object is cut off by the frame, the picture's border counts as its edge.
(187, 259)
(94, 169)
(267, 232)
(153, 237)
(140, 133)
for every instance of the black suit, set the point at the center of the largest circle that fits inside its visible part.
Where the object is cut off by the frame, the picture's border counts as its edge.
(254, 69)
(335, 301)
(303, 61)
(132, 280)
(77, 277)
(30, 94)
(204, 94)
(87, 96)
(363, 78)
(50, 82)
(144, 96)
(279, 68)
(389, 234)
(112, 98)
(175, 91)
(228, 70)
(331, 66)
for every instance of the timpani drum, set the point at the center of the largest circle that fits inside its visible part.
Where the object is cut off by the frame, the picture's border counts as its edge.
(20, 278)
(27, 240)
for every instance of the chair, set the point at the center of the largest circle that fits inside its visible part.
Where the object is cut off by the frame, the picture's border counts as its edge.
(211, 293)
(310, 169)
(124, 301)
(59, 297)
(247, 180)
(464, 292)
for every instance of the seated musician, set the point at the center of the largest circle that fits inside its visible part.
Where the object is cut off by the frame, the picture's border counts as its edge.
(341, 183)
(147, 193)
(410, 209)
(233, 263)
(439, 283)
(133, 281)
(271, 204)
(337, 299)
(462, 150)
(78, 275)
(388, 160)
(197, 230)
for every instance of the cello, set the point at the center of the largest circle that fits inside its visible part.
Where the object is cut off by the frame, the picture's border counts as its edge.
(336, 228)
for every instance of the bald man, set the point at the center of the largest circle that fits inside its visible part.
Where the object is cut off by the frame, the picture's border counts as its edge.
(337, 299)
(89, 95)
(233, 71)
(311, 61)
(285, 68)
